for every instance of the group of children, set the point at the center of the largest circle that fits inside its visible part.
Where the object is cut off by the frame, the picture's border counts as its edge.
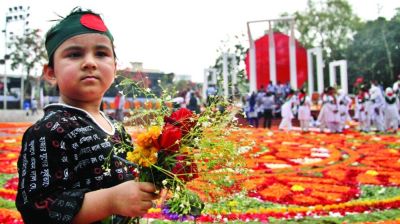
(373, 109)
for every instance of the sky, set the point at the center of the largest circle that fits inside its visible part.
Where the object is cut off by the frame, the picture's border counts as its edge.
(179, 36)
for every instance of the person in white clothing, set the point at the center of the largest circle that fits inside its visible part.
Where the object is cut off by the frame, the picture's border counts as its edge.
(344, 106)
(332, 111)
(396, 91)
(322, 118)
(361, 109)
(376, 107)
(391, 115)
(304, 113)
(287, 112)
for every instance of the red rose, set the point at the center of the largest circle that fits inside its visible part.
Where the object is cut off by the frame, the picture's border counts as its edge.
(185, 168)
(170, 138)
(182, 118)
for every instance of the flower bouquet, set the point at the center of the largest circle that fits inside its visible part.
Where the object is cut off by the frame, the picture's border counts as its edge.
(173, 148)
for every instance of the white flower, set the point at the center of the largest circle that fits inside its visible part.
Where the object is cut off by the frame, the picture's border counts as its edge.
(206, 124)
(244, 149)
(107, 172)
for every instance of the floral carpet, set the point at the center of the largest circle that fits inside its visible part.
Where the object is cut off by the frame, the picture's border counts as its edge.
(293, 177)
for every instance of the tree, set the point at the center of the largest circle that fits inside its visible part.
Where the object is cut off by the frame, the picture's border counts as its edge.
(374, 50)
(27, 52)
(330, 25)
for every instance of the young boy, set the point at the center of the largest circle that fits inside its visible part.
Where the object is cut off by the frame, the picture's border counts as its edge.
(287, 111)
(62, 177)
(362, 109)
(304, 115)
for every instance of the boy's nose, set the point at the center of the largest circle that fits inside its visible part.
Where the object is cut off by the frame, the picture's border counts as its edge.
(89, 62)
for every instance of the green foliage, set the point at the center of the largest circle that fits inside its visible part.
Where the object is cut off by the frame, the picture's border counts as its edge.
(371, 192)
(3, 202)
(27, 52)
(356, 218)
(4, 178)
(374, 51)
(329, 24)
(7, 204)
(185, 202)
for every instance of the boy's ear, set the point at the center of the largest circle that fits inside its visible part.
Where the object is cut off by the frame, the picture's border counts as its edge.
(48, 75)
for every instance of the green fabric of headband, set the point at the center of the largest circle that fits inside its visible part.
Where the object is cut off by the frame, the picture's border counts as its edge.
(76, 23)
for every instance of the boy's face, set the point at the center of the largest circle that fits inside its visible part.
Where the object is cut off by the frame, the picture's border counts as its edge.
(84, 68)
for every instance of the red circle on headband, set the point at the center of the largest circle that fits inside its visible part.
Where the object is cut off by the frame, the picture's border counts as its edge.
(93, 22)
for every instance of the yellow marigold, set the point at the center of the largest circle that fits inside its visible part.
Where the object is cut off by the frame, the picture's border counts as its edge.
(154, 132)
(297, 188)
(372, 172)
(143, 156)
(146, 139)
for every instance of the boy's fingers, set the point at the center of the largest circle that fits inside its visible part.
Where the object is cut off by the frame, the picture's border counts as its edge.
(147, 187)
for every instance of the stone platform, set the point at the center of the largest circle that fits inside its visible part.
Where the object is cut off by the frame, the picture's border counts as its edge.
(13, 115)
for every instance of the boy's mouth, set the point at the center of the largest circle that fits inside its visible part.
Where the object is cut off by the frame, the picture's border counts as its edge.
(89, 77)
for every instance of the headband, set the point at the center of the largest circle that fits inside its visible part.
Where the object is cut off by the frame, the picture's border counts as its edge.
(76, 23)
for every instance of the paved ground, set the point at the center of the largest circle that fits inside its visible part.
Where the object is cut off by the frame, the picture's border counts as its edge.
(19, 116)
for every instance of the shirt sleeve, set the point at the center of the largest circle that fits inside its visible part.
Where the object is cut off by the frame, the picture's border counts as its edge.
(45, 167)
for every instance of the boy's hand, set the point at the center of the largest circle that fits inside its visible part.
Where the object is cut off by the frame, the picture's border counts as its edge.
(132, 199)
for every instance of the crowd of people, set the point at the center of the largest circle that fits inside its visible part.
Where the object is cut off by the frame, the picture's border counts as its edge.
(373, 108)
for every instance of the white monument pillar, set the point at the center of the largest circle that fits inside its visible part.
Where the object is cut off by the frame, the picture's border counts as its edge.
(252, 62)
(320, 70)
(233, 74)
(343, 74)
(292, 56)
(272, 55)
(226, 73)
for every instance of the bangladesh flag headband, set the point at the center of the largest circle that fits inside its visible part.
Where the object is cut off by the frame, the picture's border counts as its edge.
(76, 23)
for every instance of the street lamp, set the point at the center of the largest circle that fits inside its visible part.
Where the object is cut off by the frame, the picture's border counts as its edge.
(14, 14)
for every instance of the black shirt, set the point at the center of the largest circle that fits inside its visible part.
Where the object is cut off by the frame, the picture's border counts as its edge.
(62, 157)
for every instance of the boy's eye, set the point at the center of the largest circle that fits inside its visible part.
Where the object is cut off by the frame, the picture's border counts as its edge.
(102, 53)
(74, 54)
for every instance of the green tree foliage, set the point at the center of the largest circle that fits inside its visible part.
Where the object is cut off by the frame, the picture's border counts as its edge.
(327, 24)
(27, 52)
(375, 51)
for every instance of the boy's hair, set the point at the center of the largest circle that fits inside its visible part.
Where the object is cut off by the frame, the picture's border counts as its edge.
(78, 22)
